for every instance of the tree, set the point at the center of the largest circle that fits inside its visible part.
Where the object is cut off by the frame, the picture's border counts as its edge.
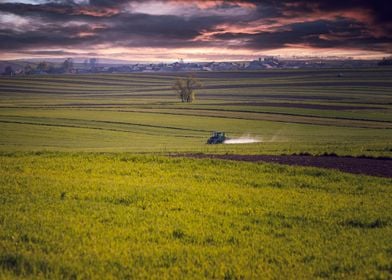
(93, 62)
(9, 71)
(44, 66)
(68, 65)
(28, 69)
(185, 88)
(386, 61)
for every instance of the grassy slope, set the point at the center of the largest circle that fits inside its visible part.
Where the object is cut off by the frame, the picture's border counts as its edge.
(139, 113)
(70, 215)
(74, 130)
(87, 216)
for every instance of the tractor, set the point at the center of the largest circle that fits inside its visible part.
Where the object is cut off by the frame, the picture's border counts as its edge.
(217, 138)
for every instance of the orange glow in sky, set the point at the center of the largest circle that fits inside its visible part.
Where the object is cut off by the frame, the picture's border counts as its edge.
(210, 30)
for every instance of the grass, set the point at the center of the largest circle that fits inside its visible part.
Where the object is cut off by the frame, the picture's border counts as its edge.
(84, 215)
(151, 132)
(86, 191)
(139, 112)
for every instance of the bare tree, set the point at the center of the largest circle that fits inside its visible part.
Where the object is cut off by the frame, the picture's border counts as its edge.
(67, 65)
(185, 88)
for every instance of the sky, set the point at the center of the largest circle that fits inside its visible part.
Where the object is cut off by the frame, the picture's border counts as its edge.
(212, 30)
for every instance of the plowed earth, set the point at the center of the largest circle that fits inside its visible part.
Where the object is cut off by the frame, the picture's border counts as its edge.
(381, 167)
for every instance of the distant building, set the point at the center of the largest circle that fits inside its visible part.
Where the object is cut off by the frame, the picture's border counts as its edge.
(268, 62)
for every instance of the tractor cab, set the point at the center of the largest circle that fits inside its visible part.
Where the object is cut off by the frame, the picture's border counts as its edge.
(217, 137)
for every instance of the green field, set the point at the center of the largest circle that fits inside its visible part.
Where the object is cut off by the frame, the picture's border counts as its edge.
(87, 191)
(290, 111)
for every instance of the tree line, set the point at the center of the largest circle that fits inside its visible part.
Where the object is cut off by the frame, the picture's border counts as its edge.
(44, 67)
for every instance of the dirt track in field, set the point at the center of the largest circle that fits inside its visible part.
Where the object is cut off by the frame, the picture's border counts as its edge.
(380, 167)
(302, 106)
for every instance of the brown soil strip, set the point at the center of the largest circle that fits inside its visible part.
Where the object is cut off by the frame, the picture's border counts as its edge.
(302, 84)
(241, 96)
(380, 167)
(302, 106)
(313, 73)
(262, 104)
(233, 86)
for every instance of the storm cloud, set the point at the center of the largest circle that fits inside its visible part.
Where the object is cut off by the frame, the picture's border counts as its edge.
(64, 26)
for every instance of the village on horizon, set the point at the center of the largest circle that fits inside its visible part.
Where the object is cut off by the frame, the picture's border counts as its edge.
(96, 65)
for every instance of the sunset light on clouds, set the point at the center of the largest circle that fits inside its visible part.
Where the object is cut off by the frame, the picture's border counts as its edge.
(194, 30)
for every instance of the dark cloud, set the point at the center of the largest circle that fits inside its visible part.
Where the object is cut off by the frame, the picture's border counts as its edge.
(381, 10)
(46, 36)
(107, 3)
(317, 34)
(126, 30)
(68, 24)
(165, 26)
(59, 11)
(58, 53)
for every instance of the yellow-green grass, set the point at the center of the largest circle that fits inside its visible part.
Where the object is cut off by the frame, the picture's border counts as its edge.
(71, 209)
(101, 216)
